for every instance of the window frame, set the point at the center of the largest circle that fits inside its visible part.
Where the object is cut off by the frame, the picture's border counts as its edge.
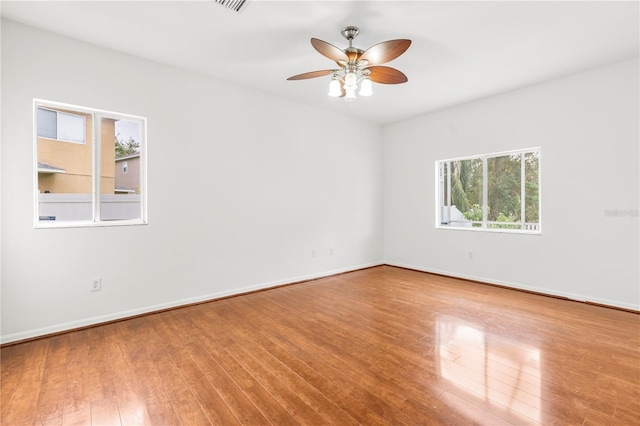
(97, 116)
(484, 228)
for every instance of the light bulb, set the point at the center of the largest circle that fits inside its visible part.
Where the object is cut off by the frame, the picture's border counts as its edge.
(350, 81)
(366, 87)
(351, 94)
(334, 88)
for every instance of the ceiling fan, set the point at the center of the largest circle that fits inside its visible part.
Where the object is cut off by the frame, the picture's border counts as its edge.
(356, 65)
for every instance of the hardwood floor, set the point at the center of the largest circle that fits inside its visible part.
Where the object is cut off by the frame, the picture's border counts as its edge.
(378, 346)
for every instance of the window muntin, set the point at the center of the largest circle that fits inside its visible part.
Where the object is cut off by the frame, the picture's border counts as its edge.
(76, 184)
(499, 191)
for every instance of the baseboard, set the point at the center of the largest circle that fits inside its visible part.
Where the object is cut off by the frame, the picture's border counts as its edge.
(152, 309)
(537, 290)
(27, 335)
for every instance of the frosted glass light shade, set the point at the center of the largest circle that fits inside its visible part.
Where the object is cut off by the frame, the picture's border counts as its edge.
(334, 88)
(366, 87)
(350, 81)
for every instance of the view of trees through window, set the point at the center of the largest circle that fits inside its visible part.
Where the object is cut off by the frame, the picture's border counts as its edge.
(496, 191)
(126, 147)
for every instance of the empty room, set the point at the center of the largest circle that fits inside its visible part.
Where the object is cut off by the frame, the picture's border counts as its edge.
(320, 212)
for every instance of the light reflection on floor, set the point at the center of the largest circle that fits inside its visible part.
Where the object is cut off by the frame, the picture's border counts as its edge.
(502, 376)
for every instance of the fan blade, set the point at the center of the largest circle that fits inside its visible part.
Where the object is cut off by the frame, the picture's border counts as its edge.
(385, 51)
(312, 74)
(387, 75)
(329, 50)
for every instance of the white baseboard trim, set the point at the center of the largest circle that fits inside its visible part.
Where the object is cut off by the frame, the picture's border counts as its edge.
(546, 291)
(71, 325)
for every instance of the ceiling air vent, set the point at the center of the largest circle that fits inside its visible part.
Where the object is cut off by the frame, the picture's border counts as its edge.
(232, 4)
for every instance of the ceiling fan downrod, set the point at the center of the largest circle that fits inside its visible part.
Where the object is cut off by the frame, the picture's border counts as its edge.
(350, 33)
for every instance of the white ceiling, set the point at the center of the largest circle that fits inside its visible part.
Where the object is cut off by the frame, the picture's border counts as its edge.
(461, 51)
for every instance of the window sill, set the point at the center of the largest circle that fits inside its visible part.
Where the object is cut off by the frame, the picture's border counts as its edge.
(86, 224)
(490, 230)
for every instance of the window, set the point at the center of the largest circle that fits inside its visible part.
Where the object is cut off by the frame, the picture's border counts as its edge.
(125, 167)
(80, 184)
(61, 126)
(493, 192)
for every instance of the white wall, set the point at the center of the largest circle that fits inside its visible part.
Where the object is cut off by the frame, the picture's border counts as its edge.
(587, 126)
(259, 181)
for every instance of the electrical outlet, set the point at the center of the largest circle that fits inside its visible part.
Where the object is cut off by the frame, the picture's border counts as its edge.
(470, 255)
(95, 284)
(331, 252)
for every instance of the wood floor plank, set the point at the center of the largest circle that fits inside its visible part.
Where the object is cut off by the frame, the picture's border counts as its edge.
(50, 407)
(77, 407)
(22, 403)
(326, 411)
(231, 394)
(160, 378)
(102, 393)
(284, 358)
(378, 346)
(331, 382)
(131, 406)
(220, 348)
(282, 391)
(210, 400)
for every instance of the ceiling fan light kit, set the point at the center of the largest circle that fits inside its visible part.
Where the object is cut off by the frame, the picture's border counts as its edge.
(358, 66)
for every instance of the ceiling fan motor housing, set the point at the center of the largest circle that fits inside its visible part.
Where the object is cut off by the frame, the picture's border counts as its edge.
(350, 32)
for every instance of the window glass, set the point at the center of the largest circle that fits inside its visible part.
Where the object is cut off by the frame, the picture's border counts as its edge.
(504, 190)
(462, 192)
(532, 189)
(64, 183)
(122, 189)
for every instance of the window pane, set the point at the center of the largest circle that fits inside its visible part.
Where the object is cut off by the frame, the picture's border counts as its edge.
(444, 194)
(503, 196)
(70, 127)
(461, 197)
(65, 173)
(532, 190)
(121, 178)
(47, 124)
(466, 188)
